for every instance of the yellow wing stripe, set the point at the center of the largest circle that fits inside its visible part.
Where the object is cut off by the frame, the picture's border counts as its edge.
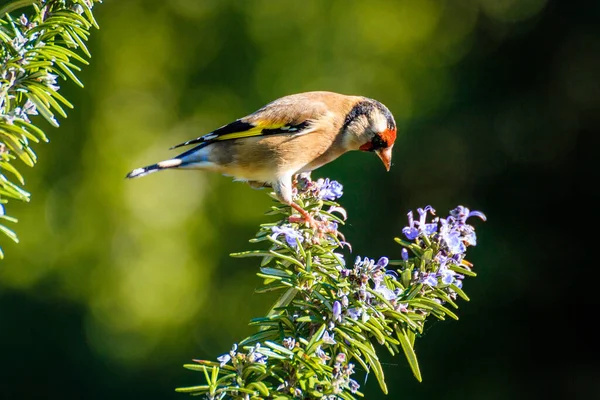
(249, 133)
(256, 131)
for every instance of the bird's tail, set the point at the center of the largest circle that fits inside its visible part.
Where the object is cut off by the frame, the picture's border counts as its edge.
(139, 172)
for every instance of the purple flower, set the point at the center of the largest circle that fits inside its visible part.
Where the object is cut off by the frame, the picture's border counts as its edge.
(456, 234)
(322, 355)
(447, 277)
(254, 355)
(469, 235)
(410, 231)
(421, 226)
(383, 262)
(430, 279)
(330, 190)
(224, 359)
(461, 214)
(354, 313)
(328, 339)
(337, 311)
(404, 254)
(345, 301)
(452, 237)
(258, 358)
(386, 292)
(289, 343)
(290, 235)
(353, 385)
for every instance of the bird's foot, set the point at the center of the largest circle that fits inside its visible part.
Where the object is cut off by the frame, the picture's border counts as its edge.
(321, 228)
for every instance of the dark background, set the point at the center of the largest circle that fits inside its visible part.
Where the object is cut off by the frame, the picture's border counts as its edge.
(116, 283)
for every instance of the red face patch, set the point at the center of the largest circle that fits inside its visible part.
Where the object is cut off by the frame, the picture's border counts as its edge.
(366, 147)
(380, 141)
(389, 136)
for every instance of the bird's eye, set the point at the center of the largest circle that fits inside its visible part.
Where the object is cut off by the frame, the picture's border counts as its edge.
(377, 143)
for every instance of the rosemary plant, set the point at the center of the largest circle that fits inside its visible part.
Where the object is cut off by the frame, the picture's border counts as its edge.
(36, 49)
(331, 313)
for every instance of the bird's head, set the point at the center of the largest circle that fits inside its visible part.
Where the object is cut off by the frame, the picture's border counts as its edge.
(370, 126)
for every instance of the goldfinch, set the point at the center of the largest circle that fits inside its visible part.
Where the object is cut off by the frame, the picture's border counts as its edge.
(294, 134)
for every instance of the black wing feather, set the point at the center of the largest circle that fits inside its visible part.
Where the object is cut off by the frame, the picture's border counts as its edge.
(234, 127)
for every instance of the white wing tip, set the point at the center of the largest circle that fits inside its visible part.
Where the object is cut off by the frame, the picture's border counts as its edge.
(136, 172)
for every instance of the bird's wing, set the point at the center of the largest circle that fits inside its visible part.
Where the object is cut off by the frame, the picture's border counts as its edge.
(289, 115)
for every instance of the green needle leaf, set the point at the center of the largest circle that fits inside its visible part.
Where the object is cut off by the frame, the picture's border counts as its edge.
(407, 347)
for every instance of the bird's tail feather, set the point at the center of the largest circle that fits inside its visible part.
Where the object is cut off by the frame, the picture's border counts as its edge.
(139, 172)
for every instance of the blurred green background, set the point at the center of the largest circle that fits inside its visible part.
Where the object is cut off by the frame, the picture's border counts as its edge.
(117, 283)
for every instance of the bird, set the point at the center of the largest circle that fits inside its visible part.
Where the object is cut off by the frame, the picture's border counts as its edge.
(291, 135)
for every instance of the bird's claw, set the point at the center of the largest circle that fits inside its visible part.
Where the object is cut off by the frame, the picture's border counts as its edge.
(321, 228)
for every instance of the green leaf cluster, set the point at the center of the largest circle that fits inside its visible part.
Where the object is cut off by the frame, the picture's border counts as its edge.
(45, 43)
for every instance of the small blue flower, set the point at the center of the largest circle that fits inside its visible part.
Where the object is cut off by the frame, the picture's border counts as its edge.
(452, 238)
(353, 385)
(415, 228)
(469, 235)
(425, 228)
(290, 235)
(455, 244)
(430, 279)
(337, 311)
(386, 292)
(410, 231)
(289, 343)
(456, 235)
(461, 214)
(345, 301)
(224, 359)
(383, 262)
(322, 355)
(354, 313)
(447, 277)
(404, 254)
(328, 339)
(254, 355)
(330, 190)
(258, 358)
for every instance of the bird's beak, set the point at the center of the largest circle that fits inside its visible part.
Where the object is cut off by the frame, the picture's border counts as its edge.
(386, 156)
